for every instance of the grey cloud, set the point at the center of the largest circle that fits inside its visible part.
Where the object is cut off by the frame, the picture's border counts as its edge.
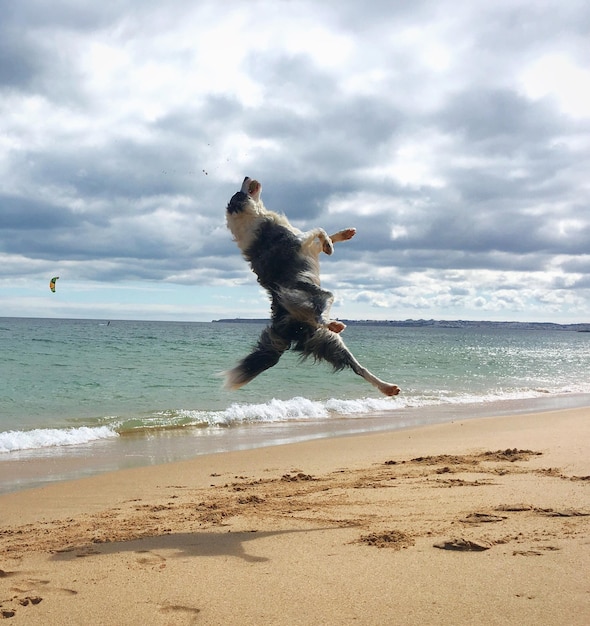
(21, 61)
(149, 204)
(18, 213)
(499, 118)
(579, 264)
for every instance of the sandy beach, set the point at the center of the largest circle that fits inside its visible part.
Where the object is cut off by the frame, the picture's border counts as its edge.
(483, 521)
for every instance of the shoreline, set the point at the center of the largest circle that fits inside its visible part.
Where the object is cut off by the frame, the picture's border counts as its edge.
(28, 469)
(334, 531)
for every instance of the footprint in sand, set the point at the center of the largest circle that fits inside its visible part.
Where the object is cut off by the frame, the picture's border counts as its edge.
(27, 593)
(30, 585)
(538, 551)
(482, 518)
(178, 608)
(462, 545)
(151, 560)
(87, 552)
(9, 608)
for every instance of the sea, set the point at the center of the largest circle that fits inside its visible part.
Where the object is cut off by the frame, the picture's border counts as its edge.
(81, 397)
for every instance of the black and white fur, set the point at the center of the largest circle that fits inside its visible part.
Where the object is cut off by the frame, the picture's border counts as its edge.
(286, 262)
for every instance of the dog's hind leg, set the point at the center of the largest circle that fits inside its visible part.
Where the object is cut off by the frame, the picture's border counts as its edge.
(311, 304)
(324, 345)
(306, 302)
(267, 353)
(336, 326)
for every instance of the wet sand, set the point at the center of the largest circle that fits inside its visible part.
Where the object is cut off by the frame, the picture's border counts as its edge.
(477, 521)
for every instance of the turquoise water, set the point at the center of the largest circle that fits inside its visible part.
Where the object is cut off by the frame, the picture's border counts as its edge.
(143, 392)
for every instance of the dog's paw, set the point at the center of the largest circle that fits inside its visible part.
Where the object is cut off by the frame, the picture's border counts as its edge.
(335, 326)
(343, 235)
(348, 233)
(389, 390)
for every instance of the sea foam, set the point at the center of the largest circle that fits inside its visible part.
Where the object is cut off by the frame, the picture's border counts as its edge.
(15, 440)
(237, 414)
(275, 410)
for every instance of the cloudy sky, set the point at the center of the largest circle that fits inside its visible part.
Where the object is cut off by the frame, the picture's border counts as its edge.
(453, 134)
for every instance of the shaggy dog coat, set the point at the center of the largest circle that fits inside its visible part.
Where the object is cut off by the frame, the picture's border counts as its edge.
(286, 262)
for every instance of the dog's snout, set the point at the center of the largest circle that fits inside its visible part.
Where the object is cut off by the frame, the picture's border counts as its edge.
(246, 184)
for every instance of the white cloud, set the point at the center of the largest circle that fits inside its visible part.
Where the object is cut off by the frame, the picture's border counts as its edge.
(454, 136)
(556, 76)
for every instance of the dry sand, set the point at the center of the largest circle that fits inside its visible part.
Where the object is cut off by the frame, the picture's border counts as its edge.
(481, 521)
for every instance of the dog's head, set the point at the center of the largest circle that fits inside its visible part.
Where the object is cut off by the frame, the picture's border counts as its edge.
(244, 211)
(250, 191)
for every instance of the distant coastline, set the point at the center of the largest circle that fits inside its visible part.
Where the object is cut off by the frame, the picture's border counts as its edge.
(582, 328)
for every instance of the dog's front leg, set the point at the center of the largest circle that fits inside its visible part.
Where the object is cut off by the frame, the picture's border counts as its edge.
(327, 242)
(309, 238)
(343, 235)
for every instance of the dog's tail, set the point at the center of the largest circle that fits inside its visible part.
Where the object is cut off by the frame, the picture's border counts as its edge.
(267, 352)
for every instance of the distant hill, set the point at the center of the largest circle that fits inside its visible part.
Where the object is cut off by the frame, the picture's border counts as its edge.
(584, 328)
